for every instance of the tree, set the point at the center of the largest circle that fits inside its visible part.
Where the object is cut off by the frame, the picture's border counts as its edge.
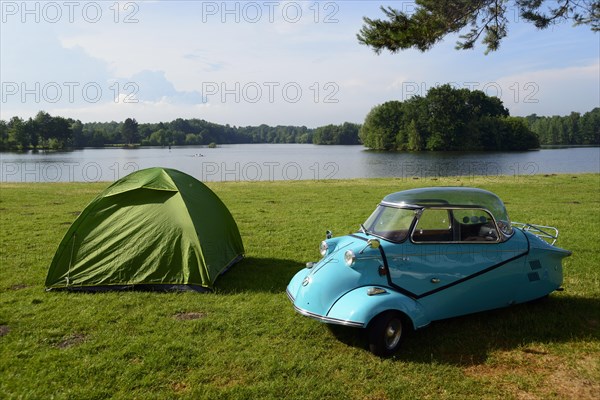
(415, 142)
(17, 134)
(43, 124)
(448, 112)
(129, 130)
(97, 138)
(181, 125)
(382, 125)
(515, 135)
(192, 139)
(432, 20)
(32, 131)
(573, 125)
(158, 138)
(77, 131)
(3, 135)
(60, 131)
(325, 135)
(348, 133)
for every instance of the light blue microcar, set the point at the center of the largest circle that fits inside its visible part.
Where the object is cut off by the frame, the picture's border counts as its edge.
(425, 255)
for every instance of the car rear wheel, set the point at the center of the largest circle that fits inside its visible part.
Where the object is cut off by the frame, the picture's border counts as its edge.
(386, 332)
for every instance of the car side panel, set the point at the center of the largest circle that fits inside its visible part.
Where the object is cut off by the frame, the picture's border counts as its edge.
(493, 289)
(459, 278)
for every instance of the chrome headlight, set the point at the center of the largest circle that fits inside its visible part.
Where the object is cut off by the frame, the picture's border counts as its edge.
(323, 247)
(349, 257)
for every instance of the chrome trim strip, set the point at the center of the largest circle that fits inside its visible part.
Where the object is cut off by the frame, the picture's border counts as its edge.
(289, 295)
(449, 253)
(321, 318)
(328, 319)
(400, 205)
(501, 234)
(377, 257)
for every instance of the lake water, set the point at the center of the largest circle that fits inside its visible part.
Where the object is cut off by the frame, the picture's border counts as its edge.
(265, 162)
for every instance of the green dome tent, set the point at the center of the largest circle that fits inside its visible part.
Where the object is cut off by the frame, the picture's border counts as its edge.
(155, 228)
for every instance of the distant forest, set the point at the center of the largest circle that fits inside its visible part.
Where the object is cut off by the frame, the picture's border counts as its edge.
(477, 123)
(49, 132)
(573, 129)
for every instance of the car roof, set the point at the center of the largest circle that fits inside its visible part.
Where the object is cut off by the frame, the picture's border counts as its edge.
(450, 196)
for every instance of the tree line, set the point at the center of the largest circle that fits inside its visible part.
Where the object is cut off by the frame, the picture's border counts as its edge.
(54, 132)
(572, 129)
(444, 119)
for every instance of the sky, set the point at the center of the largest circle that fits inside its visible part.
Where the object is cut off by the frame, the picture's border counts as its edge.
(274, 62)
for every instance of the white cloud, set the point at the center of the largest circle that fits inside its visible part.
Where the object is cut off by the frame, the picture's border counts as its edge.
(555, 91)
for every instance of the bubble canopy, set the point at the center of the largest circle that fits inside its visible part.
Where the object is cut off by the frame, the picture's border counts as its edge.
(451, 197)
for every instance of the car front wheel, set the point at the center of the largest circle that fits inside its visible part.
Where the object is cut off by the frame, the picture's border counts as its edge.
(386, 332)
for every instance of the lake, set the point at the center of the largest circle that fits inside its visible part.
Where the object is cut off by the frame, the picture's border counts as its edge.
(266, 162)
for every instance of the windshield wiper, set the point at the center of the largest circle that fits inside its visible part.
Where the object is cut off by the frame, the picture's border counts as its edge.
(364, 230)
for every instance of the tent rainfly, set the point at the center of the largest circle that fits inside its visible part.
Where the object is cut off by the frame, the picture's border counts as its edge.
(157, 229)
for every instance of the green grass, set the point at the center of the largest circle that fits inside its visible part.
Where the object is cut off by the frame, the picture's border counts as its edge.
(245, 341)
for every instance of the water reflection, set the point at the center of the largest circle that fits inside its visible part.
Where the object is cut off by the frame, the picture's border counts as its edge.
(267, 162)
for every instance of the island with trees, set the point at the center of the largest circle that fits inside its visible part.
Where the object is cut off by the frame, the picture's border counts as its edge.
(446, 119)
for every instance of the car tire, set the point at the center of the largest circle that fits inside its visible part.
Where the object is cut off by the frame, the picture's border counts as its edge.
(386, 333)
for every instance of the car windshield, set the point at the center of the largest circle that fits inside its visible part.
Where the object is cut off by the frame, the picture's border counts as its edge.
(390, 223)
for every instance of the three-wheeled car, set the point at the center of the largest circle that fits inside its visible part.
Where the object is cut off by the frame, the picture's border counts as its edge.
(424, 255)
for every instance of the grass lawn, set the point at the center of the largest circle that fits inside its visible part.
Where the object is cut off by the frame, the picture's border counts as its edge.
(245, 340)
